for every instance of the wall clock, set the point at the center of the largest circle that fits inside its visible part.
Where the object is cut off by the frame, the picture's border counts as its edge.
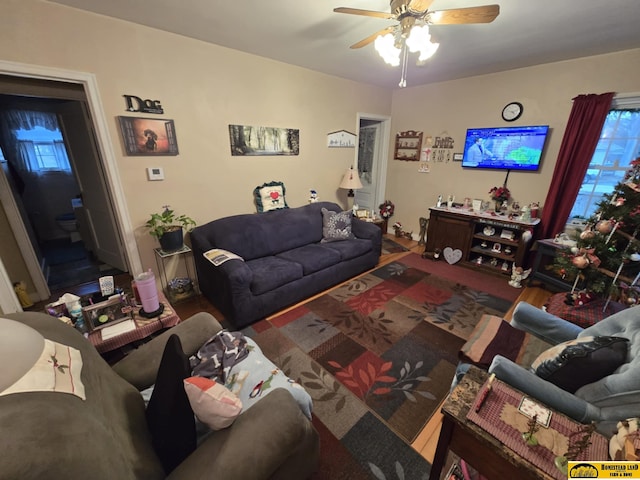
(512, 111)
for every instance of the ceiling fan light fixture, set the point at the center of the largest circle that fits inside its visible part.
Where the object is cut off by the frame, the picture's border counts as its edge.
(419, 40)
(385, 46)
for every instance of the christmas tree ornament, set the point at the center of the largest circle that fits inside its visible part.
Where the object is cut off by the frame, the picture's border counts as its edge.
(587, 234)
(604, 226)
(581, 261)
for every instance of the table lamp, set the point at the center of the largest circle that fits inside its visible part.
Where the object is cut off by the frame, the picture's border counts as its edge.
(351, 182)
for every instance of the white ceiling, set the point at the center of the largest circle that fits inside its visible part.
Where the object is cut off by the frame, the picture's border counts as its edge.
(309, 34)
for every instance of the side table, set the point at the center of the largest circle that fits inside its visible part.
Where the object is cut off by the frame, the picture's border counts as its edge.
(490, 456)
(161, 258)
(382, 223)
(546, 251)
(144, 328)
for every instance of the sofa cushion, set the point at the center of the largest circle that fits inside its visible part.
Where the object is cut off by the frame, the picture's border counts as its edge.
(350, 248)
(312, 257)
(213, 403)
(336, 226)
(169, 415)
(575, 363)
(272, 272)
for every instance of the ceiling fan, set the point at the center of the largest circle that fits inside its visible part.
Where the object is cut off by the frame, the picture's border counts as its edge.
(412, 33)
(408, 12)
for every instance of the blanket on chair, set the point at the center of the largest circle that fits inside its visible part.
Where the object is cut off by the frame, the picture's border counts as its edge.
(495, 336)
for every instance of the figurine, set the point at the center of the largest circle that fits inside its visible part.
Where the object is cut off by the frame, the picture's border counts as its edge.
(518, 275)
(313, 196)
(397, 227)
(21, 292)
(423, 231)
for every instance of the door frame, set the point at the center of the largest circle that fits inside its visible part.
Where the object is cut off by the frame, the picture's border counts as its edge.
(108, 160)
(380, 180)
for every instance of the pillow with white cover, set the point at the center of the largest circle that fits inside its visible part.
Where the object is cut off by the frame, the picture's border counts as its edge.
(212, 403)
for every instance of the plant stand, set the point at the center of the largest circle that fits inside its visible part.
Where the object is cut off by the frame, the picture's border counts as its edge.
(162, 257)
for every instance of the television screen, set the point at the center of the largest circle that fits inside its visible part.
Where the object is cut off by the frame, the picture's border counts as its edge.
(507, 148)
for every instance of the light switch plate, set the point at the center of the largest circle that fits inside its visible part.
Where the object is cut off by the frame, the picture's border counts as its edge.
(155, 173)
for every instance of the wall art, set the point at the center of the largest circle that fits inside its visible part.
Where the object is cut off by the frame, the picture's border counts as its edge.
(247, 140)
(148, 136)
(341, 139)
(408, 145)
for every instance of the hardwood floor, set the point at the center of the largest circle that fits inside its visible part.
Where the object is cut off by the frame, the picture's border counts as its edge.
(427, 440)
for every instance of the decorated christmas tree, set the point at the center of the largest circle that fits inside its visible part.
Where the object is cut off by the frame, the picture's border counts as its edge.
(606, 261)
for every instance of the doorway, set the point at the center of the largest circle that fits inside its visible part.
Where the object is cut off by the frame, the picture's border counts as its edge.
(58, 186)
(373, 143)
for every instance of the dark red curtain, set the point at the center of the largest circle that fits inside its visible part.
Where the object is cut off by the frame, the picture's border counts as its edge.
(578, 144)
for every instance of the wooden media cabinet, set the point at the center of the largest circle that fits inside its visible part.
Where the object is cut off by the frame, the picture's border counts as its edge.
(486, 240)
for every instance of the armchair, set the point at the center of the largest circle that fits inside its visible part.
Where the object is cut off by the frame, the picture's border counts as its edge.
(612, 398)
(58, 435)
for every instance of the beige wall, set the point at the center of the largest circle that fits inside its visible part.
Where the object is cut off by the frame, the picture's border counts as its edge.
(203, 88)
(452, 107)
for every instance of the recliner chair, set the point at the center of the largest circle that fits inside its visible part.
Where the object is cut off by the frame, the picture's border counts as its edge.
(606, 401)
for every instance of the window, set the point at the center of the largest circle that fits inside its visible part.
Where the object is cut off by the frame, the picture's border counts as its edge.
(619, 144)
(46, 154)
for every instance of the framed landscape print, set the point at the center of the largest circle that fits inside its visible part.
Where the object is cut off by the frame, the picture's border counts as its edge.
(148, 136)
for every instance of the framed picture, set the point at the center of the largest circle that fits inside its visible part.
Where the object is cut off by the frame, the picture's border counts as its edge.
(148, 136)
(408, 146)
(362, 213)
(105, 313)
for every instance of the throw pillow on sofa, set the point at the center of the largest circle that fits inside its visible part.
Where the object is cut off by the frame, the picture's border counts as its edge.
(270, 196)
(336, 226)
(213, 403)
(573, 364)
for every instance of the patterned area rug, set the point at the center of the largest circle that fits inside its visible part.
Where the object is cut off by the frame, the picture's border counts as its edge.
(377, 355)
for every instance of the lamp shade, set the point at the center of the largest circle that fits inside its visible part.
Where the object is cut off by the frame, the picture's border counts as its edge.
(20, 348)
(351, 180)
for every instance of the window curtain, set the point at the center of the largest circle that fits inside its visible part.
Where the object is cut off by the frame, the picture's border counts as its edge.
(580, 139)
(20, 154)
(61, 156)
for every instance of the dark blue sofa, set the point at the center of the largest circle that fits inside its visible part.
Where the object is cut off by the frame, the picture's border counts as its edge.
(284, 259)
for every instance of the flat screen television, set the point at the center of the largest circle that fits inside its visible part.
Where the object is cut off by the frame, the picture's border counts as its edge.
(505, 148)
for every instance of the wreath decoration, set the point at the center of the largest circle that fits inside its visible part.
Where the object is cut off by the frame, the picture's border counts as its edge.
(386, 209)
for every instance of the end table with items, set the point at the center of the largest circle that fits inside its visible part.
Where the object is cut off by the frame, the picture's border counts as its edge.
(120, 335)
(473, 427)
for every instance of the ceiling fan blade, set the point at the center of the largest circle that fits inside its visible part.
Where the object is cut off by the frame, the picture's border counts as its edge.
(457, 16)
(371, 38)
(420, 6)
(366, 13)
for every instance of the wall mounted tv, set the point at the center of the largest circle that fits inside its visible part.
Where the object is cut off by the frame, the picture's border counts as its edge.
(505, 148)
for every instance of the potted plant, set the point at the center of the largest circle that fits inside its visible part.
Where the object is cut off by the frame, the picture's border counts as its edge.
(168, 228)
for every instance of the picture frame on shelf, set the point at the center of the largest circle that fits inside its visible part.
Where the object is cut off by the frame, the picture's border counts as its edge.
(106, 313)
(362, 213)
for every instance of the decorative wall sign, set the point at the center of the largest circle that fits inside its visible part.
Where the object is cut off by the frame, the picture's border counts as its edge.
(341, 139)
(148, 136)
(247, 140)
(442, 149)
(408, 145)
(143, 106)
